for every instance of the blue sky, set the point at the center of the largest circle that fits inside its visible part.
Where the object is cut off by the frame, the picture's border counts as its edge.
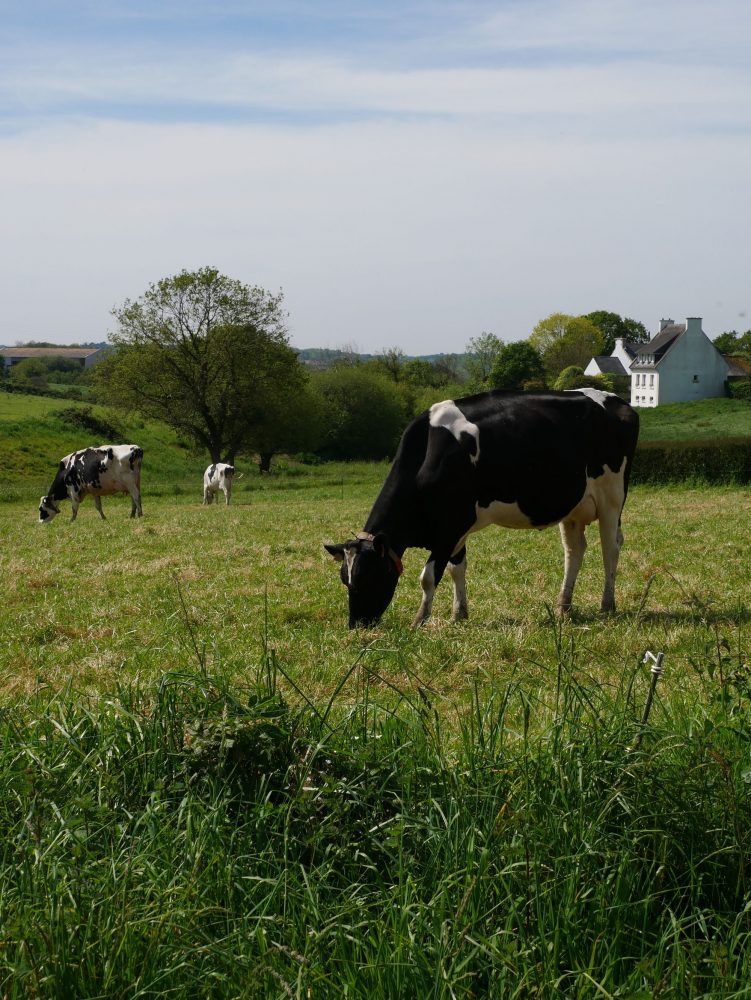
(409, 174)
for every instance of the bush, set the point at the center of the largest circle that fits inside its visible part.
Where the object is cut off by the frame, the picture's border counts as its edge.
(84, 418)
(365, 414)
(740, 389)
(723, 461)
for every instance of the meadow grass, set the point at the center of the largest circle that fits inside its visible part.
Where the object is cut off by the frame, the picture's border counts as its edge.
(701, 420)
(213, 788)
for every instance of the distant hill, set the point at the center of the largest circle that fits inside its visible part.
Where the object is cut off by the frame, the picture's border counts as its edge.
(323, 357)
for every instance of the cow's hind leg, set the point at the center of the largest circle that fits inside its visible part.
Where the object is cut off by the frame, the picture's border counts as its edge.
(98, 505)
(611, 539)
(574, 546)
(135, 504)
(457, 567)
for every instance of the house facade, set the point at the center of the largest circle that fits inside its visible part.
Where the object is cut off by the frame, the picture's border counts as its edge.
(678, 365)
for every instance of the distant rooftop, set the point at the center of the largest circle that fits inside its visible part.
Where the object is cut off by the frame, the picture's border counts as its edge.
(75, 353)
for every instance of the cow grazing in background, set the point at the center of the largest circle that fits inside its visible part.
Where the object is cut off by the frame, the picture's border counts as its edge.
(519, 460)
(218, 477)
(97, 472)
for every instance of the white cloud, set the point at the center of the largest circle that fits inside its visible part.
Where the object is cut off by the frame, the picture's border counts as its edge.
(505, 162)
(416, 234)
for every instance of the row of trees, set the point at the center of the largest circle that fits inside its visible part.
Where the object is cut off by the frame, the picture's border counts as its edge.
(210, 357)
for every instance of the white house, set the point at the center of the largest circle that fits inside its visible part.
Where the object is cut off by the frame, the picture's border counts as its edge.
(680, 363)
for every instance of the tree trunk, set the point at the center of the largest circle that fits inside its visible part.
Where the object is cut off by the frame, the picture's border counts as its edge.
(264, 461)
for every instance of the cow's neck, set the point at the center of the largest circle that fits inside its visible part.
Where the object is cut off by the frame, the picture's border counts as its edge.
(392, 514)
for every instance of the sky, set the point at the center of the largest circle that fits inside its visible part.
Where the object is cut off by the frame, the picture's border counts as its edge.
(408, 173)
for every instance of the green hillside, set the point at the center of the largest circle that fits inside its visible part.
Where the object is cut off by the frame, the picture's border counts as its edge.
(704, 420)
(34, 436)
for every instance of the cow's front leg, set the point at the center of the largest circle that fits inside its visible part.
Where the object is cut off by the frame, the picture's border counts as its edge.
(574, 545)
(457, 567)
(98, 505)
(429, 579)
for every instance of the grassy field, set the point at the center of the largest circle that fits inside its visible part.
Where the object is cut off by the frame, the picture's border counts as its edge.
(704, 420)
(213, 788)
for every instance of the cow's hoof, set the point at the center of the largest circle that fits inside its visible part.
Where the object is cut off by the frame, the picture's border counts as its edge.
(460, 615)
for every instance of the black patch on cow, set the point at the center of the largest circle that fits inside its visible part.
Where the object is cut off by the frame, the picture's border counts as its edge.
(211, 472)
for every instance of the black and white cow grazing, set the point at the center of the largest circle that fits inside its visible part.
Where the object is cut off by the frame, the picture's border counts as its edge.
(218, 477)
(519, 460)
(97, 472)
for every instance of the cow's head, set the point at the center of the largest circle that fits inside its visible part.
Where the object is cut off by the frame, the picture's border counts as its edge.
(370, 571)
(229, 471)
(48, 508)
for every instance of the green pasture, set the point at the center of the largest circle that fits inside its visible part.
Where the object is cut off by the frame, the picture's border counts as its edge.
(211, 787)
(93, 601)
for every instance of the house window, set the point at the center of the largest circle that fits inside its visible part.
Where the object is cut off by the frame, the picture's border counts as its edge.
(651, 381)
(696, 378)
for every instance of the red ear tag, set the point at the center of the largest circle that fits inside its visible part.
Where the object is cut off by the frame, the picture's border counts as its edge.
(399, 567)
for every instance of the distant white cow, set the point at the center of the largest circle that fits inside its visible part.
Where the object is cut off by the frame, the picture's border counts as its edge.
(97, 472)
(218, 477)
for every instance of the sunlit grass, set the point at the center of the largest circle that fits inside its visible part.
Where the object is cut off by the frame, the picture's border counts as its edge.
(213, 788)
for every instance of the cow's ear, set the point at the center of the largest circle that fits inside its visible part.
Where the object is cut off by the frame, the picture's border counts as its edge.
(381, 544)
(337, 551)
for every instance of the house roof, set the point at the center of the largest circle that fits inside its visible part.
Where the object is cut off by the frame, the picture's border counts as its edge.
(659, 345)
(738, 366)
(75, 353)
(609, 365)
(631, 347)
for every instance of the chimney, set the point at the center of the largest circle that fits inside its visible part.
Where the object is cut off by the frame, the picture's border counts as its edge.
(693, 324)
(664, 323)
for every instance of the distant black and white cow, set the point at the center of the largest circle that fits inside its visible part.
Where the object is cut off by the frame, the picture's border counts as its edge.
(519, 460)
(218, 477)
(97, 472)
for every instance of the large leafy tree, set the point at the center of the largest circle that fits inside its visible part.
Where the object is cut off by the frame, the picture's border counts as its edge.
(564, 340)
(612, 326)
(205, 354)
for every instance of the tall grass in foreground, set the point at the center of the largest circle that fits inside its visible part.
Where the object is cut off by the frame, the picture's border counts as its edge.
(196, 839)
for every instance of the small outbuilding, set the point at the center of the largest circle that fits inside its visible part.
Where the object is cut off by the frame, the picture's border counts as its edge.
(85, 356)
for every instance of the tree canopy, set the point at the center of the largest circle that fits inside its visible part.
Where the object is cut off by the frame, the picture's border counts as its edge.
(204, 353)
(482, 353)
(612, 326)
(732, 342)
(516, 364)
(564, 340)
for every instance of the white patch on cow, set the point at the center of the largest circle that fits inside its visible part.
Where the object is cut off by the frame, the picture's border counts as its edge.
(505, 515)
(596, 395)
(349, 555)
(447, 414)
